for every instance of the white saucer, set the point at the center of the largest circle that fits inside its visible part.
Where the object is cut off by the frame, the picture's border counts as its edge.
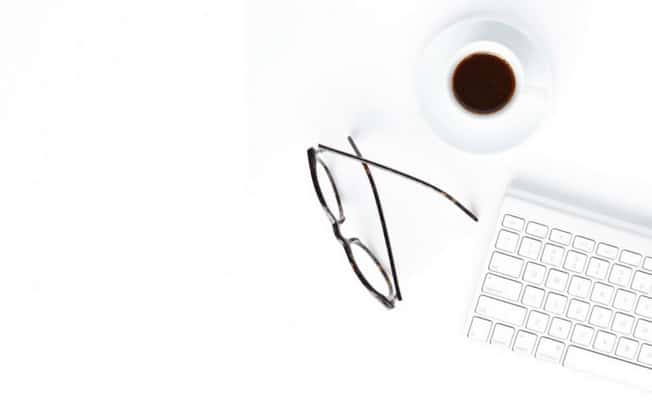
(483, 133)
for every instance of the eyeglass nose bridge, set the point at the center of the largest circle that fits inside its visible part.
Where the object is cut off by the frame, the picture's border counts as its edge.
(334, 221)
(337, 232)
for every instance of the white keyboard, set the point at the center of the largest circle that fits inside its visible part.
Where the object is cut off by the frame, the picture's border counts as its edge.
(567, 286)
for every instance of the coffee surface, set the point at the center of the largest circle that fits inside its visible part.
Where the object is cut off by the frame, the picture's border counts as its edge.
(483, 83)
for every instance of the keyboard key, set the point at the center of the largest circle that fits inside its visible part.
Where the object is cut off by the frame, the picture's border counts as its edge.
(606, 366)
(578, 310)
(513, 222)
(602, 293)
(623, 323)
(525, 342)
(501, 287)
(597, 268)
(552, 255)
(479, 329)
(643, 330)
(559, 328)
(644, 307)
(550, 350)
(607, 250)
(646, 355)
(537, 321)
(507, 241)
(537, 229)
(642, 282)
(600, 317)
(584, 244)
(575, 261)
(532, 297)
(620, 275)
(624, 300)
(557, 280)
(555, 303)
(579, 287)
(530, 248)
(631, 258)
(496, 309)
(502, 335)
(534, 273)
(626, 348)
(647, 263)
(582, 335)
(559, 236)
(504, 264)
(604, 342)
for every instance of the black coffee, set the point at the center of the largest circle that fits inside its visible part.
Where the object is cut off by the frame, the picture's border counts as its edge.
(483, 83)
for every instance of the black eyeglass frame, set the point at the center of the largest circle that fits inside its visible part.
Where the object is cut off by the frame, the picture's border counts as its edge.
(394, 292)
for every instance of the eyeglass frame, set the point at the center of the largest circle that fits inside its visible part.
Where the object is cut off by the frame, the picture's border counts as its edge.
(393, 285)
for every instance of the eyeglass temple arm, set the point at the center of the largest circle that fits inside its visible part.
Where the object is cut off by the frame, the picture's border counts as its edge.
(402, 174)
(381, 215)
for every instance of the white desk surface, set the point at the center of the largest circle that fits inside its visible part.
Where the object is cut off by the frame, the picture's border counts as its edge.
(308, 333)
(107, 202)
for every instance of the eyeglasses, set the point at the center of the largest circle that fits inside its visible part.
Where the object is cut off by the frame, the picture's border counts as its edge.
(363, 261)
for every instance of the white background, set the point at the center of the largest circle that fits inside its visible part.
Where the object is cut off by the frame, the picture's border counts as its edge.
(110, 192)
(307, 333)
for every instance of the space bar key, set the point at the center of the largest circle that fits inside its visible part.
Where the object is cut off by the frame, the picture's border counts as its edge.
(608, 367)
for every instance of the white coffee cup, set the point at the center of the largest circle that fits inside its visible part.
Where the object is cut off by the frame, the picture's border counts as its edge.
(483, 133)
